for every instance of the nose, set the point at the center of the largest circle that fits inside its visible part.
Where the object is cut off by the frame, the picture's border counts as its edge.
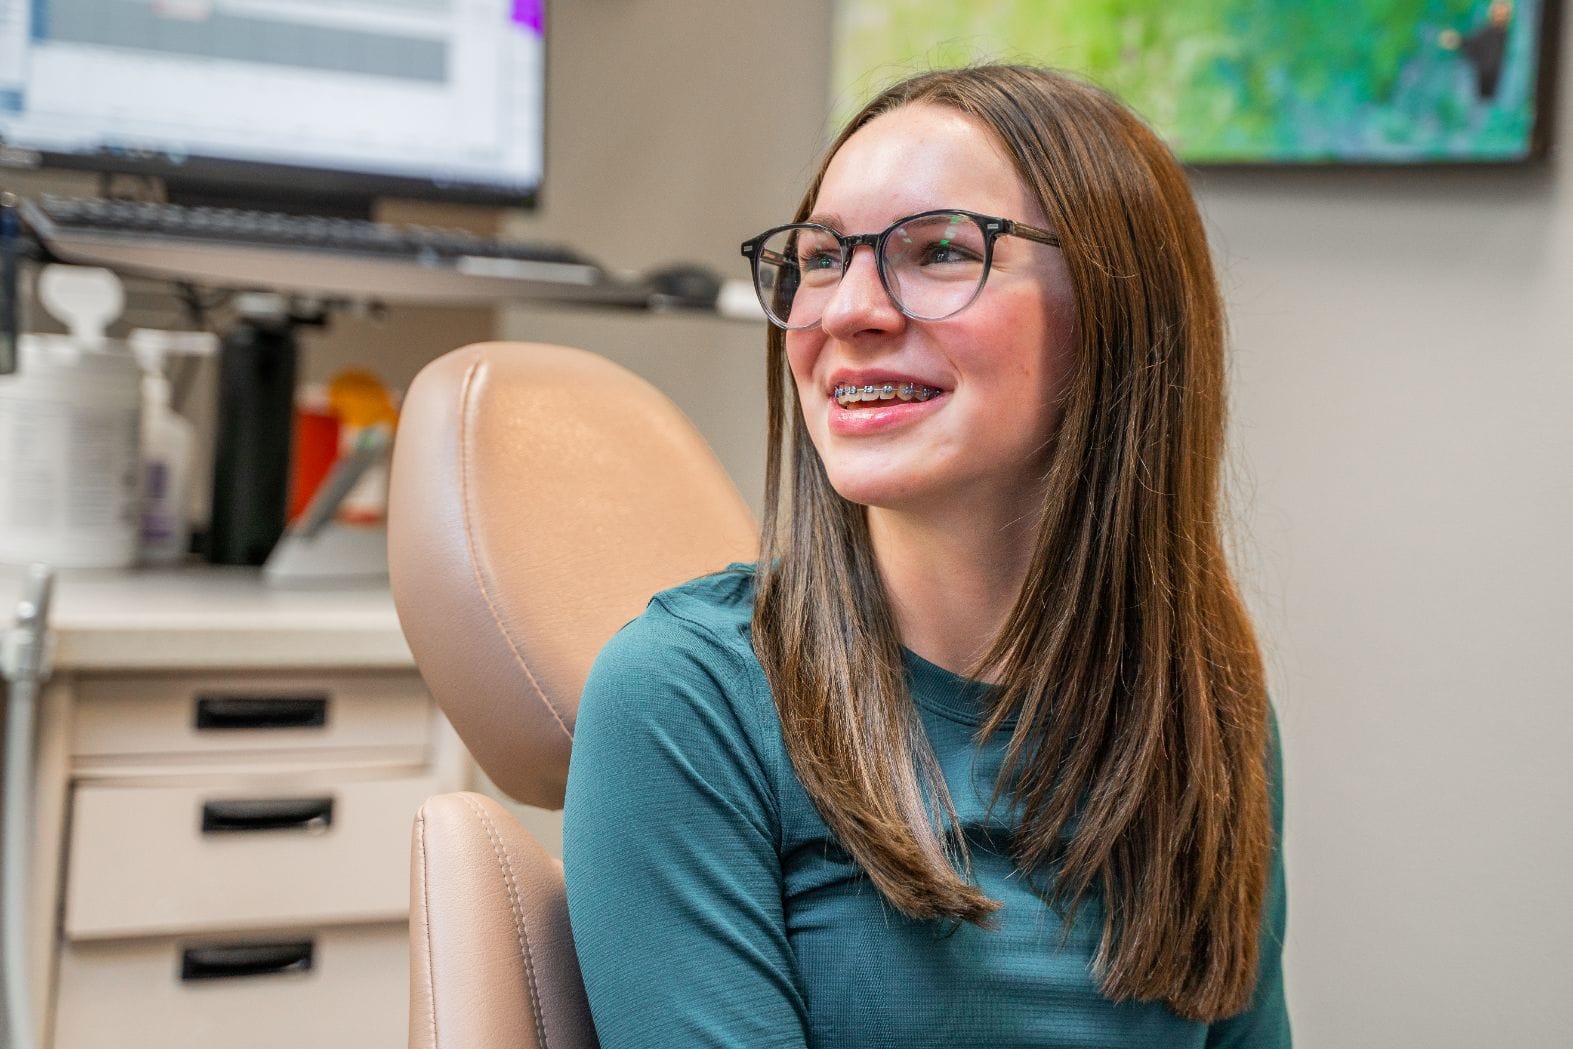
(860, 302)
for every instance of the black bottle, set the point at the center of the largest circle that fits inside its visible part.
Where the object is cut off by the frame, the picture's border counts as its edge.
(251, 454)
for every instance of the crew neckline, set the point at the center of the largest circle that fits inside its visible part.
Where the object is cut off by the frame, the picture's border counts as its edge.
(948, 694)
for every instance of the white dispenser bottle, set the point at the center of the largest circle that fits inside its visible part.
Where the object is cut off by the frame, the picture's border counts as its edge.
(167, 441)
(70, 464)
(168, 445)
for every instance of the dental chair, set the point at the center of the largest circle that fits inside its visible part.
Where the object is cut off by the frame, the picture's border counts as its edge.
(540, 495)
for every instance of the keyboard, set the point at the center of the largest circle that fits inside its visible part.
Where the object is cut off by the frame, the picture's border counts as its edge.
(314, 254)
(238, 226)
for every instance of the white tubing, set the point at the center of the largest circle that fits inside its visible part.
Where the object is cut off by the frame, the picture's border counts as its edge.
(24, 658)
(14, 853)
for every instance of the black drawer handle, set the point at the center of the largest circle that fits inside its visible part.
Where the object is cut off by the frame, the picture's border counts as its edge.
(254, 814)
(226, 961)
(230, 712)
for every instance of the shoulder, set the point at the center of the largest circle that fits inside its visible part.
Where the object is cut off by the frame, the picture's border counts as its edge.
(720, 604)
(687, 656)
(700, 625)
(677, 696)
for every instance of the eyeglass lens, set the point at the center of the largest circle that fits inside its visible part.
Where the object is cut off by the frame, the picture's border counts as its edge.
(933, 266)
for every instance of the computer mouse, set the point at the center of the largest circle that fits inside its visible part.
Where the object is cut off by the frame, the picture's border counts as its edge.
(684, 284)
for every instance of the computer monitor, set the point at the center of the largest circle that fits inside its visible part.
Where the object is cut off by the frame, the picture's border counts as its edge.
(302, 105)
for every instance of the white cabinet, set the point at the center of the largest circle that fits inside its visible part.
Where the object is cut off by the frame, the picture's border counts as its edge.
(129, 994)
(225, 807)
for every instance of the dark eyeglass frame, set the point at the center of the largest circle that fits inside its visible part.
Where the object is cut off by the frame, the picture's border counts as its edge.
(993, 228)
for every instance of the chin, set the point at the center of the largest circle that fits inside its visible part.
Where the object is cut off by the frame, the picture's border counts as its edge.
(884, 488)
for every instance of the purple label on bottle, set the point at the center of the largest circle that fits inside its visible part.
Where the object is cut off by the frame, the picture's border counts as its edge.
(531, 14)
(157, 480)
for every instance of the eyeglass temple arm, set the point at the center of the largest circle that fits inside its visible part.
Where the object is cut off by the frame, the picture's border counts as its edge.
(1042, 236)
(1032, 233)
(753, 249)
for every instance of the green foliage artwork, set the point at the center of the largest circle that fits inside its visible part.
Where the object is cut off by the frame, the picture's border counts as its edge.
(1243, 81)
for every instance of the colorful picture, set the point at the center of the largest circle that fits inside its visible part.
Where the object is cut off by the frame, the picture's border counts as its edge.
(1245, 81)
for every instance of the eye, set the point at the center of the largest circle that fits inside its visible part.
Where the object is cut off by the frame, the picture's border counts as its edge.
(817, 259)
(945, 251)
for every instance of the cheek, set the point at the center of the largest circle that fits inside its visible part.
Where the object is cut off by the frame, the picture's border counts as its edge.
(1055, 321)
(1059, 357)
(1039, 366)
(802, 353)
(1032, 336)
(1055, 368)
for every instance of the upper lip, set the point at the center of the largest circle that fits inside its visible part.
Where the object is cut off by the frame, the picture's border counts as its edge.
(876, 377)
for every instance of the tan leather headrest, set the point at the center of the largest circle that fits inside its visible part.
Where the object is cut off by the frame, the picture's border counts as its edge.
(539, 496)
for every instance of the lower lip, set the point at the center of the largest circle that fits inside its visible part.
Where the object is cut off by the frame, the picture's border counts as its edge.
(864, 422)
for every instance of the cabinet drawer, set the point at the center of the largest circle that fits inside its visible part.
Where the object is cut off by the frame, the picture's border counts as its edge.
(251, 853)
(231, 714)
(131, 994)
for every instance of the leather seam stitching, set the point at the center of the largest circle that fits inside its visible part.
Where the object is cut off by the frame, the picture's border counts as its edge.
(481, 582)
(431, 974)
(506, 862)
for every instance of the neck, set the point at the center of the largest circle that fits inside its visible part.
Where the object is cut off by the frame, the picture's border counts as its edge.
(952, 578)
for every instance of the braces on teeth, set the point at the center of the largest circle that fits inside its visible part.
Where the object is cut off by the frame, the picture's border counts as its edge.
(906, 391)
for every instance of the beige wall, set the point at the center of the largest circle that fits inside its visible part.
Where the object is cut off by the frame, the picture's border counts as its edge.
(1404, 427)
(1403, 391)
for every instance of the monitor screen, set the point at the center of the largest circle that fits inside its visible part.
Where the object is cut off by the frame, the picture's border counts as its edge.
(311, 99)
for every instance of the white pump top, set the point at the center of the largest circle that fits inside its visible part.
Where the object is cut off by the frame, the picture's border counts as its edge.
(83, 298)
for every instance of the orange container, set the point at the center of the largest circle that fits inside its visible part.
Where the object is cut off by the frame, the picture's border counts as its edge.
(316, 449)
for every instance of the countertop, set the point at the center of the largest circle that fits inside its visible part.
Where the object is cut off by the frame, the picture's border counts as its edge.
(206, 616)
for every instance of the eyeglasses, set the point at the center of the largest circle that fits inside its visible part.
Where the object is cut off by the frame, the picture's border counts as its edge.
(932, 264)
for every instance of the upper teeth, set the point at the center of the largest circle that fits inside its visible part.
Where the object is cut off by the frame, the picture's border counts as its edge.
(907, 391)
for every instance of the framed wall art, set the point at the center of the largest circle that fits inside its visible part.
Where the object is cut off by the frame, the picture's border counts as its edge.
(1231, 82)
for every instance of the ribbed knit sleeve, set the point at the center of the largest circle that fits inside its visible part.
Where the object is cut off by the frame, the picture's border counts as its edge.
(671, 847)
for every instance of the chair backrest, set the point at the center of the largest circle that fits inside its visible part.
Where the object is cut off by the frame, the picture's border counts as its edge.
(492, 964)
(539, 496)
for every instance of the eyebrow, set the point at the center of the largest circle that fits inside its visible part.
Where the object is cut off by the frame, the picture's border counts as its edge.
(831, 220)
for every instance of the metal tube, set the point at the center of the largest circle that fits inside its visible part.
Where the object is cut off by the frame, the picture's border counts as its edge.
(25, 659)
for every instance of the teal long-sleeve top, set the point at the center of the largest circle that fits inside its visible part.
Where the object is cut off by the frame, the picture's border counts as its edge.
(712, 906)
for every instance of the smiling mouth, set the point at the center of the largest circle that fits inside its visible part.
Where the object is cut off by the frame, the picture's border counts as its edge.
(858, 396)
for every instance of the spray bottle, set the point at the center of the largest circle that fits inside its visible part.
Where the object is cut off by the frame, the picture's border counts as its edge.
(168, 441)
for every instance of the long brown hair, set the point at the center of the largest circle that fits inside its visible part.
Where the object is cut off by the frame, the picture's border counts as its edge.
(1138, 760)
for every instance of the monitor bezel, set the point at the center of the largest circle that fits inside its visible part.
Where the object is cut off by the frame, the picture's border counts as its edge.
(198, 179)
(261, 185)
